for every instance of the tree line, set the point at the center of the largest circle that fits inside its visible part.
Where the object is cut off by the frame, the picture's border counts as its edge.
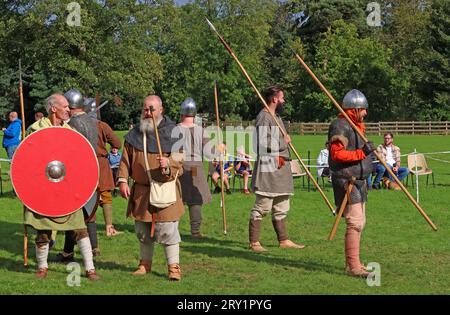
(123, 50)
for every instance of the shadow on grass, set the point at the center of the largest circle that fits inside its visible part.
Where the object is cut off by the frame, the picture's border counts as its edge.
(9, 195)
(11, 240)
(16, 265)
(226, 252)
(206, 239)
(11, 237)
(101, 228)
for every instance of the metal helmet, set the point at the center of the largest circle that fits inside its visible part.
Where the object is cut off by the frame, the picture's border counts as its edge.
(90, 105)
(188, 107)
(355, 99)
(75, 98)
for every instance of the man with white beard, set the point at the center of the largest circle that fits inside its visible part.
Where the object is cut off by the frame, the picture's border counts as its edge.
(152, 224)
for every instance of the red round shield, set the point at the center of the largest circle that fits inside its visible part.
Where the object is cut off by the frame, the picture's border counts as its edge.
(54, 171)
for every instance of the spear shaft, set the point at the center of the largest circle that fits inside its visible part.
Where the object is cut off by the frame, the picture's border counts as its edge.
(216, 105)
(363, 137)
(22, 109)
(230, 51)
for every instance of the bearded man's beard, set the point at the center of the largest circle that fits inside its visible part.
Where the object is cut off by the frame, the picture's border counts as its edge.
(147, 124)
(280, 109)
(360, 117)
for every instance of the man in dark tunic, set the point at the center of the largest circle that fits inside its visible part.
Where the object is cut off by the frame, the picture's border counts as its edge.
(351, 158)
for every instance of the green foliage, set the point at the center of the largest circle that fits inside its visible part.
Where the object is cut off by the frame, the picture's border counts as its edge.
(128, 49)
(435, 85)
(347, 61)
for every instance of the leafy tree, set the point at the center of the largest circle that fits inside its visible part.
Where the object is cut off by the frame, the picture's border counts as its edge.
(434, 86)
(345, 61)
(193, 57)
(126, 49)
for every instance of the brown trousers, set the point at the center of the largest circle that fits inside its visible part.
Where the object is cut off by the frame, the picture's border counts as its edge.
(43, 236)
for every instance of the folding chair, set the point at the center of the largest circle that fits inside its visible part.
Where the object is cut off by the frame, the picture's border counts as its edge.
(417, 165)
(297, 171)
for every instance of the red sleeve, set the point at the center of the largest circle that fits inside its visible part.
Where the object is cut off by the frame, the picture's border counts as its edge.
(339, 154)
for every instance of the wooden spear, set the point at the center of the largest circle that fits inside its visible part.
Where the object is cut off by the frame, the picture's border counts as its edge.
(22, 109)
(152, 109)
(339, 108)
(273, 116)
(158, 142)
(342, 208)
(216, 105)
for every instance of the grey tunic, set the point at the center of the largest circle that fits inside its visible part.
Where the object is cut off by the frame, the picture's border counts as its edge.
(87, 126)
(193, 181)
(267, 179)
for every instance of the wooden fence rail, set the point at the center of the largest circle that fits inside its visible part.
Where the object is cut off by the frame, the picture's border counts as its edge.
(379, 128)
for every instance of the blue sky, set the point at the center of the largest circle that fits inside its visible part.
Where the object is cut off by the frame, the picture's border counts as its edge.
(181, 2)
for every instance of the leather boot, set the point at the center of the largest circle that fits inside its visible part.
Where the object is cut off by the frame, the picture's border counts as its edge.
(197, 235)
(174, 272)
(145, 266)
(347, 268)
(358, 272)
(42, 273)
(253, 230)
(280, 229)
(92, 275)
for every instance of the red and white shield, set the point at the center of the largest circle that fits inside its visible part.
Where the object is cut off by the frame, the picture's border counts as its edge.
(54, 171)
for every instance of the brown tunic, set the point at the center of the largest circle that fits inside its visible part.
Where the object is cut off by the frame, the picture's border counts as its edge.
(105, 135)
(132, 165)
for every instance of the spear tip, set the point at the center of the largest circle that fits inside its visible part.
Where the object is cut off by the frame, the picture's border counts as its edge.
(210, 24)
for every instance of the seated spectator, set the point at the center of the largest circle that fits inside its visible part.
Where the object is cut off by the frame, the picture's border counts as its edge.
(227, 167)
(391, 155)
(243, 167)
(38, 115)
(322, 162)
(114, 157)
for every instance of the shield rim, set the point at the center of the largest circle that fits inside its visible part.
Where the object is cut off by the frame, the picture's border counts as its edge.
(96, 161)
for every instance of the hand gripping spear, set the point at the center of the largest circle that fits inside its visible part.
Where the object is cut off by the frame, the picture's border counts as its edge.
(273, 116)
(216, 104)
(339, 108)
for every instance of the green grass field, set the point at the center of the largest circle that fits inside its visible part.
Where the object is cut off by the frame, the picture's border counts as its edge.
(413, 258)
